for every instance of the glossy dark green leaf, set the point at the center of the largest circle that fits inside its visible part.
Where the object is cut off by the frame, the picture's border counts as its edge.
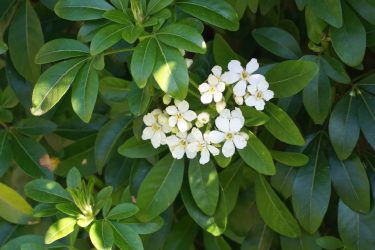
(46, 191)
(253, 117)
(81, 10)
(125, 238)
(290, 77)
(157, 5)
(106, 37)
(60, 229)
(334, 69)
(5, 152)
(257, 156)
(134, 148)
(170, 72)
(204, 185)
(290, 158)
(68, 209)
(143, 61)
(283, 180)
(351, 182)
(120, 4)
(230, 180)
(117, 16)
(278, 42)
(282, 126)
(35, 126)
(60, 49)
(101, 235)
(344, 127)
(365, 8)
(131, 33)
(305, 242)
(328, 10)
(122, 211)
(314, 25)
(113, 89)
(312, 190)
(351, 32)
(53, 84)
(366, 117)
(182, 234)
(160, 187)
(329, 242)
(139, 99)
(73, 179)
(223, 53)
(215, 12)
(25, 39)
(107, 139)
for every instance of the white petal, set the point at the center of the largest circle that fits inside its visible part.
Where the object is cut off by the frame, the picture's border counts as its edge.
(220, 87)
(197, 134)
(205, 157)
(230, 77)
(235, 125)
(262, 85)
(252, 66)
(238, 100)
(212, 80)
(216, 136)
(149, 119)
(213, 150)
(240, 88)
(218, 96)
(163, 139)
(220, 106)
(189, 115)
(178, 152)
(228, 149)
(252, 89)
(222, 124)
(256, 78)
(171, 110)
(226, 113)
(156, 140)
(216, 70)
(204, 87)
(182, 125)
(191, 154)
(147, 133)
(251, 101)
(172, 140)
(268, 95)
(239, 141)
(237, 113)
(259, 105)
(172, 121)
(192, 147)
(235, 66)
(206, 98)
(182, 106)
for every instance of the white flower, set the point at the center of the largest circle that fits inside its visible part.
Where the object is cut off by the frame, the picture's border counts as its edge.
(180, 115)
(201, 143)
(214, 87)
(238, 100)
(204, 117)
(163, 120)
(229, 124)
(178, 146)
(220, 106)
(240, 75)
(259, 93)
(154, 131)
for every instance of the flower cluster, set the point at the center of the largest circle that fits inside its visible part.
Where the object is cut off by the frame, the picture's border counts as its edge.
(187, 133)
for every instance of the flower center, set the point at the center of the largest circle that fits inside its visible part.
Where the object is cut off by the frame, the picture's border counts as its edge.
(212, 90)
(244, 75)
(155, 127)
(183, 142)
(200, 146)
(179, 116)
(229, 136)
(259, 95)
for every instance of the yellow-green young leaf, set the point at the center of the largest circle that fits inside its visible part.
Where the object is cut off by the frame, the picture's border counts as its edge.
(13, 206)
(273, 211)
(46, 191)
(170, 71)
(60, 229)
(328, 10)
(160, 187)
(290, 77)
(25, 39)
(204, 185)
(217, 13)
(282, 126)
(60, 49)
(143, 61)
(292, 159)
(85, 91)
(257, 156)
(53, 84)
(81, 10)
(101, 235)
(125, 238)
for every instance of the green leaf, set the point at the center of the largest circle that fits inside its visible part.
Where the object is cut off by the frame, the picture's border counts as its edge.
(122, 211)
(182, 235)
(282, 126)
(182, 36)
(328, 10)
(69, 209)
(53, 84)
(204, 186)
(106, 37)
(160, 187)
(29, 153)
(257, 156)
(290, 77)
(366, 117)
(73, 179)
(131, 33)
(314, 25)
(46, 191)
(134, 148)
(81, 10)
(290, 158)
(44, 210)
(25, 39)
(304, 242)
(273, 211)
(157, 5)
(35, 126)
(114, 89)
(351, 32)
(351, 182)
(329, 242)
(13, 206)
(344, 127)
(60, 49)
(170, 72)
(283, 180)
(215, 12)
(125, 238)
(5, 153)
(101, 235)
(117, 16)
(334, 69)
(230, 181)
(365, 8)
(85, 91)
(107, 139)
(139, 99)
(356, 230)
(253, 117)
(215, 243)
(278, 42)
(143, 61)
(223, 53)
(312, 190)
(60, 229)
(8, 98)
(266, 6)
(120, 4)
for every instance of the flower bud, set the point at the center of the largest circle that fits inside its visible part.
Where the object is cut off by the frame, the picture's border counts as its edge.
(167, 99)
(204, 117)
(238, 100)
(220, 106)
